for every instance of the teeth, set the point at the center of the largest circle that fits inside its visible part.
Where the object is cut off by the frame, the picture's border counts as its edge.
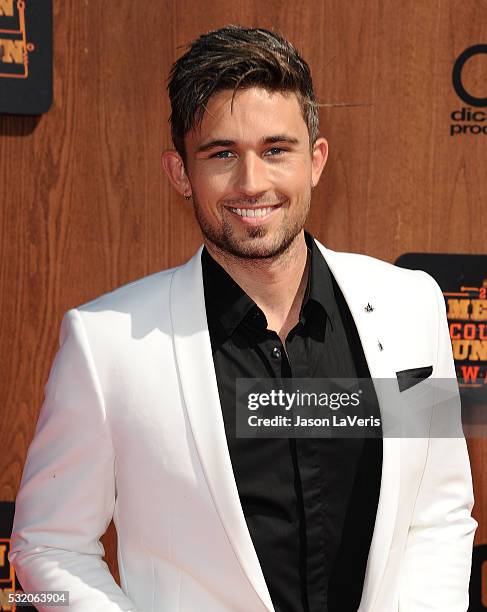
(252, 212)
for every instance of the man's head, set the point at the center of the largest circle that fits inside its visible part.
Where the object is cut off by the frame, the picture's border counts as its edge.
(244, 124)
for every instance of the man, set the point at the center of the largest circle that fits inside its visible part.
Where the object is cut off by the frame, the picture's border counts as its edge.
(139, 417)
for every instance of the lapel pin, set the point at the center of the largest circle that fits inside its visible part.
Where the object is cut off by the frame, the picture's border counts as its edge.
(369, 307)
(381, 348)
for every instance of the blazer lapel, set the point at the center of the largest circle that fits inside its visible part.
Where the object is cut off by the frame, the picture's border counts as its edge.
(200, 391)
(369, 317)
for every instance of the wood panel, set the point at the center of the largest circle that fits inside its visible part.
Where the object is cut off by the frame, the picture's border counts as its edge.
(85, 206)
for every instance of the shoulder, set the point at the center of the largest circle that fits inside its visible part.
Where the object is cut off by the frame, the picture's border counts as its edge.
(136, 293)
(129, 312)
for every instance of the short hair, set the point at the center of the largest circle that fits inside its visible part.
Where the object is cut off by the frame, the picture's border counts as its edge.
(236, 57)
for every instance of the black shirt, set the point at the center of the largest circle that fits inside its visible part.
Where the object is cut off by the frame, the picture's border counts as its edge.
(309, 503)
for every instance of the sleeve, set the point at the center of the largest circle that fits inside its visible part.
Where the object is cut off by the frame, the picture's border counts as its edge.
(436, 570)
(67, 492)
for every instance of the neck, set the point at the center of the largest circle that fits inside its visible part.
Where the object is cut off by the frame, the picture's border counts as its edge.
(277, 285)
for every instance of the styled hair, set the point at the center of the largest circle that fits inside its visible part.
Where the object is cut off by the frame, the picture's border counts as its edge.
(236, 57)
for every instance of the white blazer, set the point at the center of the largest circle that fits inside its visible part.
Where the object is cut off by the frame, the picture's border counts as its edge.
(131, 427)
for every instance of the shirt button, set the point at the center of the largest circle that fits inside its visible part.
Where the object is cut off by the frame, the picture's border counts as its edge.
(276, 352)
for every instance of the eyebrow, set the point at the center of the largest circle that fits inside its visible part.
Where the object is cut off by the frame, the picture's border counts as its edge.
(212, 144)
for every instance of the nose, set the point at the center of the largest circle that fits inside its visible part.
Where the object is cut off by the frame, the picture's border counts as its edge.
(252, 175)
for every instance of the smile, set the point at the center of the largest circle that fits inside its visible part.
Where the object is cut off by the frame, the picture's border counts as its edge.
(252, 212)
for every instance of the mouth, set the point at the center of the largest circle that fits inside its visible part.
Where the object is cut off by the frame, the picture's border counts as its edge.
(254, 214)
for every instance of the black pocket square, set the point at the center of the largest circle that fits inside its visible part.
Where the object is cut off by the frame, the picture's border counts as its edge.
(408, 378)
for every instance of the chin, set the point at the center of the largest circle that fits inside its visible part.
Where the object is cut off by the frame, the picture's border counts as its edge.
(266, 247)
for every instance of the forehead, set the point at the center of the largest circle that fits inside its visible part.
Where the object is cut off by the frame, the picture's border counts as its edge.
(254, 114)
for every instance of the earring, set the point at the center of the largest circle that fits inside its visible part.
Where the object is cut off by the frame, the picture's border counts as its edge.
(187, 196)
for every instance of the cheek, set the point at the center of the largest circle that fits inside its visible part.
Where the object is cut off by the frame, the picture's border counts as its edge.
(208, 200)
(211, 194)
(209, 182)
(292, 185)
(295, 173)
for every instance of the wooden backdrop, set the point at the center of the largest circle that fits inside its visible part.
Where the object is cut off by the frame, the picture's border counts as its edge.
(85, 206)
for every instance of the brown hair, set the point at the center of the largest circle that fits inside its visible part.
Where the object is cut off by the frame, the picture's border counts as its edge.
(236, 57)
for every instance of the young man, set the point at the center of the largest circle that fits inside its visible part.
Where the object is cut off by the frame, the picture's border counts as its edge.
(139, 417)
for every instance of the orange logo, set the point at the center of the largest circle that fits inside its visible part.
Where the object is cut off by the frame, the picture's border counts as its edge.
(467, 316)
(14, 48)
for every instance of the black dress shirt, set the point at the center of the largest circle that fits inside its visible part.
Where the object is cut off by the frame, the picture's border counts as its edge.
(309, 503)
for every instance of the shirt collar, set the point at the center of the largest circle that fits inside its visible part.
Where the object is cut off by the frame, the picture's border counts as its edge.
(228, 303)
(320, 285)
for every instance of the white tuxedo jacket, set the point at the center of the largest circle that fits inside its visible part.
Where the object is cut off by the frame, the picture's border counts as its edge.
(131, 427)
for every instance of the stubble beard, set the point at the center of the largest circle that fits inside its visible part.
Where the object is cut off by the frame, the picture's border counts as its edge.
(252, 246)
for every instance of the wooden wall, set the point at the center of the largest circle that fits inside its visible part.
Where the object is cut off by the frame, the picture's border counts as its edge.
(85, 206)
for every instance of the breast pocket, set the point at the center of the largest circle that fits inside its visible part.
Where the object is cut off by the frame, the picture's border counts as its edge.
(411, 377)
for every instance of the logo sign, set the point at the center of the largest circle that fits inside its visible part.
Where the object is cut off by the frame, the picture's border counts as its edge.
(470, 119)
(25, 56)
(463, 280)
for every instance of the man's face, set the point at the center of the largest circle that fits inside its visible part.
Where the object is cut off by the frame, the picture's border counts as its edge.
(251, 172)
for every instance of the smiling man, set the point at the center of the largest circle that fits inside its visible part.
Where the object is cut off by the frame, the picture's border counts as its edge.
(139, 419)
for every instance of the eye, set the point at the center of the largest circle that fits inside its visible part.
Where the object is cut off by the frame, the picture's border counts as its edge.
(221, 155)
(277, 151)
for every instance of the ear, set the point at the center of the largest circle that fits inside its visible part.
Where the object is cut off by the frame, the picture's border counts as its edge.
(318, 160)
(174, 167)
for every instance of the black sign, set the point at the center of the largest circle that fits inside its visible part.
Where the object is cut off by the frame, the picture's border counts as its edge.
(25, 56)
(463, 280)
